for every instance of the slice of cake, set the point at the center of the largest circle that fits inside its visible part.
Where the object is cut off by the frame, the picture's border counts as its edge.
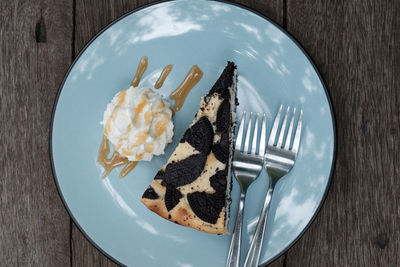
(193, 187)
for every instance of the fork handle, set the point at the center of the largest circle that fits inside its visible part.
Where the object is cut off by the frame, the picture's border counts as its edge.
(253, 255)
(234, 249)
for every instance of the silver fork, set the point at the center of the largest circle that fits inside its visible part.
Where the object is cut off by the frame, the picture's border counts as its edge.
(279, 160)
(247, 165)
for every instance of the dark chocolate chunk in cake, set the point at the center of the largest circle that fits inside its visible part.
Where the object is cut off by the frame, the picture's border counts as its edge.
(224, 117)
(218, 181)
(184, 171)
(207, 206)
(221, 149)
(224, 81)
(200, 135)
(150, 193)
(172, 197)
(160, 175)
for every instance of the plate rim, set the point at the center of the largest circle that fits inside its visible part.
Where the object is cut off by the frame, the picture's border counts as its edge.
(245, 7)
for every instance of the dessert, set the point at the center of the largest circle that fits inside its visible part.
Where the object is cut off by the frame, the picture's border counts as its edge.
(193, 187)
(138, 123)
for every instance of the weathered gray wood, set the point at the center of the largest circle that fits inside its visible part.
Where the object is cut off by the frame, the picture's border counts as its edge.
(85, 254)
(355, 44)
(35, 52)
(274, 9)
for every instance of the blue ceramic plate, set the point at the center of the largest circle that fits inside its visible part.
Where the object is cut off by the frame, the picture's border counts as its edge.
(272, 68)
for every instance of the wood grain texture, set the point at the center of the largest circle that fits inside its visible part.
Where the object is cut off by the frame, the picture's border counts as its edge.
(85, 254)
(274, 9)
(35, 52)
(355, 44)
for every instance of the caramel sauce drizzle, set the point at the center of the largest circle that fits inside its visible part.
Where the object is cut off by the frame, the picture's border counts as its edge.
(192, 78)
(165, 72)
(121, 99)
(128, 167)
(139, 72)
(113, 162)
(179, 95)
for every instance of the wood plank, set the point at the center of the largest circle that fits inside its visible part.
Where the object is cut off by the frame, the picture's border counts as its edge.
(85, 254)
(89, 21)
(355, 45)
(35, 52)
(274, 9)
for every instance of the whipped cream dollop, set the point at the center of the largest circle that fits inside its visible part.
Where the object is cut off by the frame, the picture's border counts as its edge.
(138, 123)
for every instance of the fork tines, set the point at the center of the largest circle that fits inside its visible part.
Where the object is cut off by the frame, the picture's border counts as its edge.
(257, 141)
(295, 145)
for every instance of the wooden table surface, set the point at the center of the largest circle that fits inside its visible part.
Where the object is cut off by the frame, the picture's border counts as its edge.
(355, 45)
